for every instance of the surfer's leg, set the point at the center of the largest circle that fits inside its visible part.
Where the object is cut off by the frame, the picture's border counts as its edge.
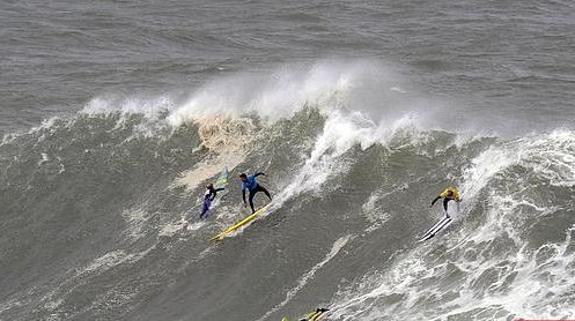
(263, 189)
(205, 209)
(252, 194)
(445, 201)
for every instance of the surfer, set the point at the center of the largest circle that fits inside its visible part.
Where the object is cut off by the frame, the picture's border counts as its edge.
(312, 316)
(209, 197)
(449, 194)
(251, 184)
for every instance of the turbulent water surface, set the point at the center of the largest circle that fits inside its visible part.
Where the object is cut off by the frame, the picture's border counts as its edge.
(115, 114)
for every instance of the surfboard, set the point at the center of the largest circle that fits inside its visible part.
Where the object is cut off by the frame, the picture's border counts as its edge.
(445, 222)
(248, 219)
(222, 180)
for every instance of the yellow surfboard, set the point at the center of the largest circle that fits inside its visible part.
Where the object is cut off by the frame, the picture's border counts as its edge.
(220, 236)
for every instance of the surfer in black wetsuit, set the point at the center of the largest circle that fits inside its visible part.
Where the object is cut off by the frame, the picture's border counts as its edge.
(251, 184)
(209, 197)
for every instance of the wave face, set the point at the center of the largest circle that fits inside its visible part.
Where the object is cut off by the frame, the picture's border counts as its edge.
(92, 207)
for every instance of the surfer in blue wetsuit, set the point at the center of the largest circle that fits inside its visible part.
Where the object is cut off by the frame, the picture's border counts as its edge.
(251, 184)
(209, 197)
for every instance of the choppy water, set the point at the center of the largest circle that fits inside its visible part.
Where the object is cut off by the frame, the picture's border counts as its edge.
(115, 113)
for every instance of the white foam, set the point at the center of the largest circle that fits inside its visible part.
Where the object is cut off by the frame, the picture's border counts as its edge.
(548, 155)
(525, 285)
(340, 133)
(46, 124)
(152, 107)
(44, 159)
(135, 219)
(277, 93)
(196, 226)
(506, 276)
(55, 297)
(107, 261)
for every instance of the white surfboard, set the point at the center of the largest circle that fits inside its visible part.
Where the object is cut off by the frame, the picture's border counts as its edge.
(445, 222)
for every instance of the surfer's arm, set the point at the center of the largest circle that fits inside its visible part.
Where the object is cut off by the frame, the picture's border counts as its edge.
(244, 195)
(435, 200)
(215, 193)
(259, 173)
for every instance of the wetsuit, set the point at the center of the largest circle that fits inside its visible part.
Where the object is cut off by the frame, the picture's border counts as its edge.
(446, 197)
(208, 198)
(251, 184)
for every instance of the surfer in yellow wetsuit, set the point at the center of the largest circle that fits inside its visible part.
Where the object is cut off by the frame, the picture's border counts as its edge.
(449, 194)
(312, 316)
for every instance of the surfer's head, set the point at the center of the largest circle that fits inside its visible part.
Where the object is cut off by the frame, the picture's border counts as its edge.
(243, 176)
(210, 186)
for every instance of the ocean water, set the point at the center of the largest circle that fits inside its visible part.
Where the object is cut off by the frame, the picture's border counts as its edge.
(115, 114)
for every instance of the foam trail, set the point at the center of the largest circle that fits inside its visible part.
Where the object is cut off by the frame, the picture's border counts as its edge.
(98, 265)
(337, 246)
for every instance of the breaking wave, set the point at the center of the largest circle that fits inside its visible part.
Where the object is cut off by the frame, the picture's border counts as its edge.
(92, 206)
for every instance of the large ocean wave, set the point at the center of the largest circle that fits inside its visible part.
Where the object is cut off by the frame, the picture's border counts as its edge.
(92, 206)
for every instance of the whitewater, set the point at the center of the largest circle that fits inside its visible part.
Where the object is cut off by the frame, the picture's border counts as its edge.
(95, 186)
